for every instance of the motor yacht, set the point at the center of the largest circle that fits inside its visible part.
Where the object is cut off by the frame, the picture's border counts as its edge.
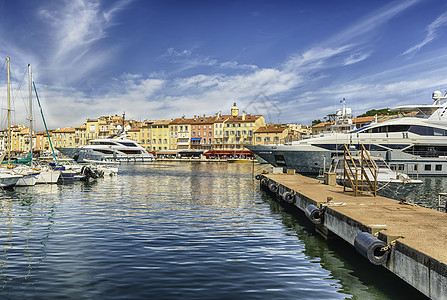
(115, 148)
(415, 145)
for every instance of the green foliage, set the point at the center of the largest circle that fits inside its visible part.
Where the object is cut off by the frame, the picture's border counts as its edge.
(383, 111)
(315, 122)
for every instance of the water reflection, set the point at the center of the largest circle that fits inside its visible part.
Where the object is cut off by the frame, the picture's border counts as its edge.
(427, 194)
(170, 231)
(357, 276)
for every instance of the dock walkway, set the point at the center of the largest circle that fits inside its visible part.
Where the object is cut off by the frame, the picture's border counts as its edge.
(417, 236)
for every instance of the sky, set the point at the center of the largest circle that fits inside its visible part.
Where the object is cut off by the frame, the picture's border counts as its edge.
(291, 61)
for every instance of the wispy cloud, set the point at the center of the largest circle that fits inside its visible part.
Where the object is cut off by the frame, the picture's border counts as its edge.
(188, 57)
(77, 26)
(362, 29)
(432, 31)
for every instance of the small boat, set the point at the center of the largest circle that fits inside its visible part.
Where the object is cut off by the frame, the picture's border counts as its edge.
(49, 176)
(8, 180)
(390, 184)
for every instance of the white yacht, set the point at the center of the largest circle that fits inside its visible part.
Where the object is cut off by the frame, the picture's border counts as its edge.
(411, 144)
(116, 148)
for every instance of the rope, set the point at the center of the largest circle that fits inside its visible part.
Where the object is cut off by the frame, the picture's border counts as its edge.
(389, 246)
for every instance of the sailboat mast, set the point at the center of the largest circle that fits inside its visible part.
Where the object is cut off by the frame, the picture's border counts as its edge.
(30, 78)
(8, 146)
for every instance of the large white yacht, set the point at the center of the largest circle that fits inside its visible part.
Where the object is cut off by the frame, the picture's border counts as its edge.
(117, 148)
(415, 145)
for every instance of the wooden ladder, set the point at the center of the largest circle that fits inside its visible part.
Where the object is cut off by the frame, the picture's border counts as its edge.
(360, 178)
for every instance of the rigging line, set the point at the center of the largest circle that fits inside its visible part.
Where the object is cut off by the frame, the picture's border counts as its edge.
(19, 90)
(45, 123)
(3, 67)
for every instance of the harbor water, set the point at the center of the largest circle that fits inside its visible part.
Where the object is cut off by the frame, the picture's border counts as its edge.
(174, 231)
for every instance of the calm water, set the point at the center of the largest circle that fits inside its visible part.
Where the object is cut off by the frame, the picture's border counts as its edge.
(174, 231)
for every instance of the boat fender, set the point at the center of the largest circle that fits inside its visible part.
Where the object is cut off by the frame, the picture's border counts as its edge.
(264, 181)
(372, 248)
(314, 214)
(273, 186)
(288, 197)
(258, 177)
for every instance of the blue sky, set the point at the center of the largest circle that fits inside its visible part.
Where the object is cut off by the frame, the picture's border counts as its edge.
(292, 61)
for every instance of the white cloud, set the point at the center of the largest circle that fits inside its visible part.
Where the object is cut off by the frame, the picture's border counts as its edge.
(77, 27)
(432, 30)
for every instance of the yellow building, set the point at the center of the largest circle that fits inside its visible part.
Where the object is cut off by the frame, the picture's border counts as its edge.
(91, 129)
(183, 133)
(145, 135)
(219, 126)
(239, 130)
(64, 137)
(80, 135)
(160, 135)
(266, 135)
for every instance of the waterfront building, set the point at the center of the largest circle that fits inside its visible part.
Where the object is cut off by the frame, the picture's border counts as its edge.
(64, 137)
(91, 129)
(239, 130)
(321, 128)
(270, 134)
(183, 132)
(81, 135)
(202, 129)
(219, 125)
(173, 135)
(39, 146)
(160, 135)
(145, 135)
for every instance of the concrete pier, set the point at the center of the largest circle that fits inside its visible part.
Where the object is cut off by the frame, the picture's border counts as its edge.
(415, 237)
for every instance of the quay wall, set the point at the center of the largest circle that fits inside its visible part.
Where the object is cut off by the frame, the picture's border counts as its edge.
(417, 251)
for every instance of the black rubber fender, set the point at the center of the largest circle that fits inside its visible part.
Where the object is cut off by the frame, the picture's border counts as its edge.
(314, 214)
(258, 177)
(264, 181)
(288, 197)
(273, 186)
(370, 247)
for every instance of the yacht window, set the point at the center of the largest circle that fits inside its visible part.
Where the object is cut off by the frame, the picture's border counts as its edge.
(438, 167)
(427, 167)
(128, 144)
(415, 167)
(421, 130)
(398, 128)
(439, 132)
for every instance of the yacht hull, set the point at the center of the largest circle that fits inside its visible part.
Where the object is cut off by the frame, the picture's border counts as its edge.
(86, 155)
(8, 181)
(48, 177)
(303, 161)
(394, 189)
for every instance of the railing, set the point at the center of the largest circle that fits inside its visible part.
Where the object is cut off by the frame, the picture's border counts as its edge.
(362, 178)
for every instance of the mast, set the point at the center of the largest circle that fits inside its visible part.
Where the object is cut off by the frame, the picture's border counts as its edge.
(30, 113)
(8, 145)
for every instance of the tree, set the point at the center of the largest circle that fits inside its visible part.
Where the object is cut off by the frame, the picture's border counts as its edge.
(315, 122)
(382, 111)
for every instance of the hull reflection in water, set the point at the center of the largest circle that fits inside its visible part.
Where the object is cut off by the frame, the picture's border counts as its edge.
(170, 231)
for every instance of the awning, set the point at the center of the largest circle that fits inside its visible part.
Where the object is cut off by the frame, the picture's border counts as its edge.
(196, 139)
(228, 152)
(166, 152)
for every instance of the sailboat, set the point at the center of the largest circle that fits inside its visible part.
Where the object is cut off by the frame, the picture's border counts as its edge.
(46, 174)
(7, 178)
(29, 175)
